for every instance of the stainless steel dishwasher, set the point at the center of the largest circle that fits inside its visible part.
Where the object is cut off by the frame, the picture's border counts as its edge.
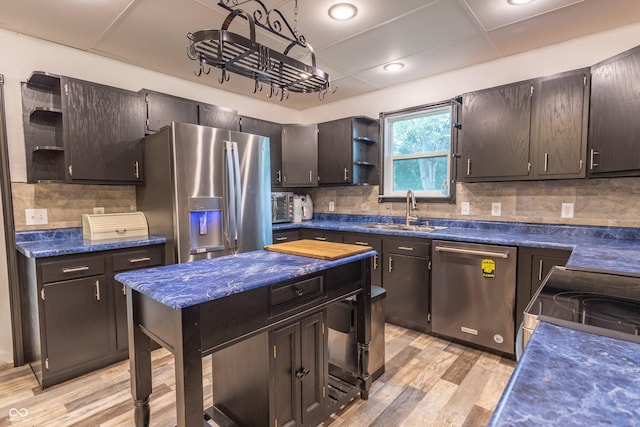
(473, 293)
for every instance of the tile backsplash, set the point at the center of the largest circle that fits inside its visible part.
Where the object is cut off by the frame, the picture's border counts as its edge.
(603, 201)
(65, 203)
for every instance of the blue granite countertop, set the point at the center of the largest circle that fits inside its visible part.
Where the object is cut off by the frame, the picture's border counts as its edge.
(569, 377)
(601, 249)
(182, 285)
(64, 241)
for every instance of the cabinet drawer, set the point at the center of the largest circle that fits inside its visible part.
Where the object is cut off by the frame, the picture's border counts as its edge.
(139, 258)
(71, 268)
(285, 236)
(364, 240)
(295, 293)
(407, 247)
(322, 235)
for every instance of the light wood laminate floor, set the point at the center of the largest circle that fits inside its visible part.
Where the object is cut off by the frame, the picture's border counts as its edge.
(428, 381)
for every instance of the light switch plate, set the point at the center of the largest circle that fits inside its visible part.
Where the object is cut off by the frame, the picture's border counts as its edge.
(36, 216)
(465, 208)
(332, 206)
(98, 210)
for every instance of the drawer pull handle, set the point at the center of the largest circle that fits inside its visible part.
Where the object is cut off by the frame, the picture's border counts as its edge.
(75, 269)
(281, 239)
(298, 292)
(405, 248)
(362, 243)
(321, 238)
(124, 230)
(97, 290)
(124, 290)
(375, 262)
(135, 260)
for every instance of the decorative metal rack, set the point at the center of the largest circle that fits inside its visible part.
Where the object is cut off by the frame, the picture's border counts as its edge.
(233, 53)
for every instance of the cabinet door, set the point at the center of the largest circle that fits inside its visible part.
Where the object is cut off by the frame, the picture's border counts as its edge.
(494, 139)
(614, 128)
(285, 386)
(375, 242)
(76, 322)
(218, 117)
(541, 265)
(406, 280)
(162, 109)
(274, 132)
(103, 128)
(559, 125)
(312, 372)
(300, 155)
(335, 157)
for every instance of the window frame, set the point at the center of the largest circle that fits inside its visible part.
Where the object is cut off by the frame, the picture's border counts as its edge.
(385, 194)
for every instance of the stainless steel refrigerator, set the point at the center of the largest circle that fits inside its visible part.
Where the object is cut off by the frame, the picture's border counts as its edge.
(207, 190)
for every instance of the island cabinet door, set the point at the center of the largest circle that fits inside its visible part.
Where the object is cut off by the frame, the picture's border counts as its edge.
(285, 387)
(299, 372)
(76, 322)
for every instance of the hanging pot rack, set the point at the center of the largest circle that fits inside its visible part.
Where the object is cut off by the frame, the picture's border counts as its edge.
(233, 53)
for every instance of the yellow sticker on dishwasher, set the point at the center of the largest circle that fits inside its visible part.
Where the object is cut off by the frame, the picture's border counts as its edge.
(488, 268)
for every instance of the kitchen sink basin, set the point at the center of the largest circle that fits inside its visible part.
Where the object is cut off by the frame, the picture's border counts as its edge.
(422, 228)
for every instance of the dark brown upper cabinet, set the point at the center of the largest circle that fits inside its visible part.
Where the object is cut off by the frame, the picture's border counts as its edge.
(162, 109)
(274, 132)
(348, 151)
(103, 129)
(559, 125)
(300, 155)
(614, 128)
(218, 117)
(493, 143)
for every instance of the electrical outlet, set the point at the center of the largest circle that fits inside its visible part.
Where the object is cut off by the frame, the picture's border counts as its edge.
(567, 210)
(36, 216)
(496, 209)
(465, 208)
(98, 210)
(332, 206)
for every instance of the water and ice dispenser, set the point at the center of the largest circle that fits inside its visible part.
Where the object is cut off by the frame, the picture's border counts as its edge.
(205, 223)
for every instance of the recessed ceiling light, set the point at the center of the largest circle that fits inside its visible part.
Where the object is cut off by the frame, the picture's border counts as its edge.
(394, 66)
(518, 2)
(343, 11)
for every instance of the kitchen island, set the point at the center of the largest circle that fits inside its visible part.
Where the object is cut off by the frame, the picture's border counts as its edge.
(198, 308)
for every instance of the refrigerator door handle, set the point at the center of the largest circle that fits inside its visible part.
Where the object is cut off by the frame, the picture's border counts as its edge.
(237, 191)
(229, 196)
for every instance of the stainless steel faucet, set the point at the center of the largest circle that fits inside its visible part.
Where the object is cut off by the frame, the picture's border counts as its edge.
(411, 204)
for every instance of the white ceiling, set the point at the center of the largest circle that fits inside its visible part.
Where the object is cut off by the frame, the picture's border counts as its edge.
(428, 36)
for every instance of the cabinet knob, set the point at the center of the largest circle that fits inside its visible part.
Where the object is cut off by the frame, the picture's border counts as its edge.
(302, 373)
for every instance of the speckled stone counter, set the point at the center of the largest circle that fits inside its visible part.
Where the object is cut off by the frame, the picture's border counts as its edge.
(601, 249)
(65, 241)
(183, 285)
(571, 378)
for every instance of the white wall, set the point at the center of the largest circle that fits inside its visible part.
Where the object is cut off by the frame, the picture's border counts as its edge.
(573, 54)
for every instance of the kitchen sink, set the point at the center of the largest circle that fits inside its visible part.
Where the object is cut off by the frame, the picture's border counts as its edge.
(422, 228)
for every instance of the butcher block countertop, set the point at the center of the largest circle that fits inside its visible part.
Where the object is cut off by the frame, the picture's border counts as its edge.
(318, 249)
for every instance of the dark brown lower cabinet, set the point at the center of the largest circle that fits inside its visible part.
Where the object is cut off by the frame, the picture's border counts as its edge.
(276, 378)
(406, 278)
(533, 266)
(75, 317)
(76, 322)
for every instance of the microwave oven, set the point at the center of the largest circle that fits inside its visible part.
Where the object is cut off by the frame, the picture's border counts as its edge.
(281, 207)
